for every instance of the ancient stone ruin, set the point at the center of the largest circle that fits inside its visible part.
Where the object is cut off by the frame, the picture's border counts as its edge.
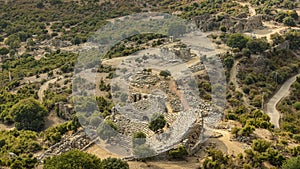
(207, 22)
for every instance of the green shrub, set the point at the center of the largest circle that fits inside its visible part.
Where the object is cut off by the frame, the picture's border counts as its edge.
(73, 159)
(232, 116)
(257, 45)
(289, 21)
(157, 122)
(296, 105)
(297, 137)
(114, 163)
(178, 153)
(237, 40)
(292, 163)
(139, 138)
(29, 114)
(260, 145)
(165, 73)
(4, 51)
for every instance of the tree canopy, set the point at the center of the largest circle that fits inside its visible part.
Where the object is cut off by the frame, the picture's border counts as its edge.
(165, 73)
(114, 163)
(292, 163)
(76, 159)
(73, 159)
(29, 114)
(237, 40)
(289, 21)
(257, 45)
(157, 122)
(139, 138)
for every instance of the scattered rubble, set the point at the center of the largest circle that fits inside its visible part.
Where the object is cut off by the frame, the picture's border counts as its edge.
(241, 23)
(78, 140)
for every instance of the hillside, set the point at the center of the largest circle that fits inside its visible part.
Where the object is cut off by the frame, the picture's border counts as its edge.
(149, 84)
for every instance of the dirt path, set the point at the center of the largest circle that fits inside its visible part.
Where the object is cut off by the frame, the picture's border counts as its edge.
(6, 127)
(233, 79)
(252, 10)
(270, 27)
(233, 147)
(271, 105)
(190, 163)
(45, 87)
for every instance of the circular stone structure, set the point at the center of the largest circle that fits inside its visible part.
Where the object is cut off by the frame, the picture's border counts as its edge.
(159, 59)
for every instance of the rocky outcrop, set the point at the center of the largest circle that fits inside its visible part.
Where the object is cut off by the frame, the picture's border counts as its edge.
(242, 15)
(253, 22)
(240, 23)
(78, 140)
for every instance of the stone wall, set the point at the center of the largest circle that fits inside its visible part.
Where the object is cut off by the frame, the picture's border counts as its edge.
(208, 22)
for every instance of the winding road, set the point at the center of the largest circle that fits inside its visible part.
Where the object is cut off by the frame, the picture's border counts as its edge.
(43, 88)
(281, 93)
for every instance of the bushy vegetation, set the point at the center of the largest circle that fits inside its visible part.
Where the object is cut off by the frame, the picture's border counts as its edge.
(157, 122)
(76, 21)
(164, 73)
(29, 114)
(73, 159)
(54, 134)
(261, 152)
(114, 163)
(290, 107)
(138, 138)
(178, 153)
(37, 25)
(216, 159)
(135, 43)
(249, 120)
(292, 163)
(237, 40)
(9, 99)
(261, 76)
(211, 7)
(17, 147)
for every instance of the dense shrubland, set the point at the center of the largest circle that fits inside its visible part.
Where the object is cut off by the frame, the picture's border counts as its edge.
(75, 22)
(249, 120)
(29, 114)
(76, 159)
(13, 71)
(17, 148)
(289, 106)
(211, 7)
(9, 99)
(54, 134)
(27, 65)
(263, 66)
(262, 154)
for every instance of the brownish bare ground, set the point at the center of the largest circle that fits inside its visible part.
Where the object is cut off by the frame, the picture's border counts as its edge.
(190, 163)
(53, 120)
(6, 127)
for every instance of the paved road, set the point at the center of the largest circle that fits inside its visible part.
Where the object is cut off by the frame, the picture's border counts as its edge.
(271, 105)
